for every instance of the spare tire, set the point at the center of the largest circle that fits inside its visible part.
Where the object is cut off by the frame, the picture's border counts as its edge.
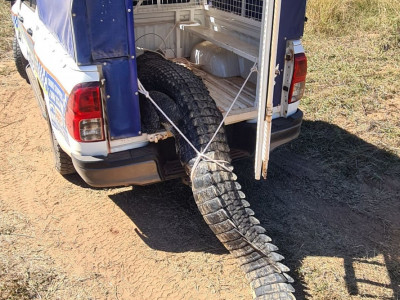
(217, 194)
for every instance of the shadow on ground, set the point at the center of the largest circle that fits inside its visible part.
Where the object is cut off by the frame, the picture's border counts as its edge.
(328, 194)
(167, 218)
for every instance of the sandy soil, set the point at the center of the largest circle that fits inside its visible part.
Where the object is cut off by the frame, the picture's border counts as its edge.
(131, 243)
(61, 239)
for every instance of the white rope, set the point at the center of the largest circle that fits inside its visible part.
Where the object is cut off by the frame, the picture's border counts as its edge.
(137, 6)
(200, 155)
(167, 36)
(152, 51)
(143, 91)
(253, 69)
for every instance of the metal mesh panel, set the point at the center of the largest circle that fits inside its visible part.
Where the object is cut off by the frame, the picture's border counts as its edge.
(232, 6)
(174, 1)
(254, 9)
(144, 2)
(154, 2)
(247, 8)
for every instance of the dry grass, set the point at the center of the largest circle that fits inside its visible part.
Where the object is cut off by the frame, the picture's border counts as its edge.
(335, 18)
(354, 66)
(24, 273)
(26, 269)
(6, 31)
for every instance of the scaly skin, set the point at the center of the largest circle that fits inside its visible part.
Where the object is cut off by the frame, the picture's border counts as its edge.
(184, 98)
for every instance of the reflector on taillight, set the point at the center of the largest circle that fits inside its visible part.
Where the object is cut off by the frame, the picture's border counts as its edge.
(84, 117)
(298, 85)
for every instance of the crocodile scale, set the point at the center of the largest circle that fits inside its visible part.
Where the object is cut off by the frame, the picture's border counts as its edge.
(186, 100)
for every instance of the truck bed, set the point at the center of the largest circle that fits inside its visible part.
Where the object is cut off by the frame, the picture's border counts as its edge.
(224, 91)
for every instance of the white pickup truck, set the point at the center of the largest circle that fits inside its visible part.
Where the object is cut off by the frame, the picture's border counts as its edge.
(137, 92)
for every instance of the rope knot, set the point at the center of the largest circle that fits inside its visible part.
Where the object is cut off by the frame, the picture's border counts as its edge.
(200, 154)
(254, 69)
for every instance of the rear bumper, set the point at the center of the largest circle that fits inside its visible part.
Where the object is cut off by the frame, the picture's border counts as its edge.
(157, 162)
(131, 167)
(243, 135)
(286, 129)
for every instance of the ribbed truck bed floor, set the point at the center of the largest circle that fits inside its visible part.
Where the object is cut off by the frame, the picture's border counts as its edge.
(224, 91)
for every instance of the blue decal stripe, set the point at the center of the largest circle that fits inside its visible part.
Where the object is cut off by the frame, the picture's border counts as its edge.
(46, 72)
(57, 95)
(15, 20)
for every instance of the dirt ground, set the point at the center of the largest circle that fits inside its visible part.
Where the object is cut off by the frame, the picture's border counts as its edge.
(60, 239)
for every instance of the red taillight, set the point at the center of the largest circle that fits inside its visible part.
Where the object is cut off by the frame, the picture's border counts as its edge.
(84, 117)
(298, 85)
